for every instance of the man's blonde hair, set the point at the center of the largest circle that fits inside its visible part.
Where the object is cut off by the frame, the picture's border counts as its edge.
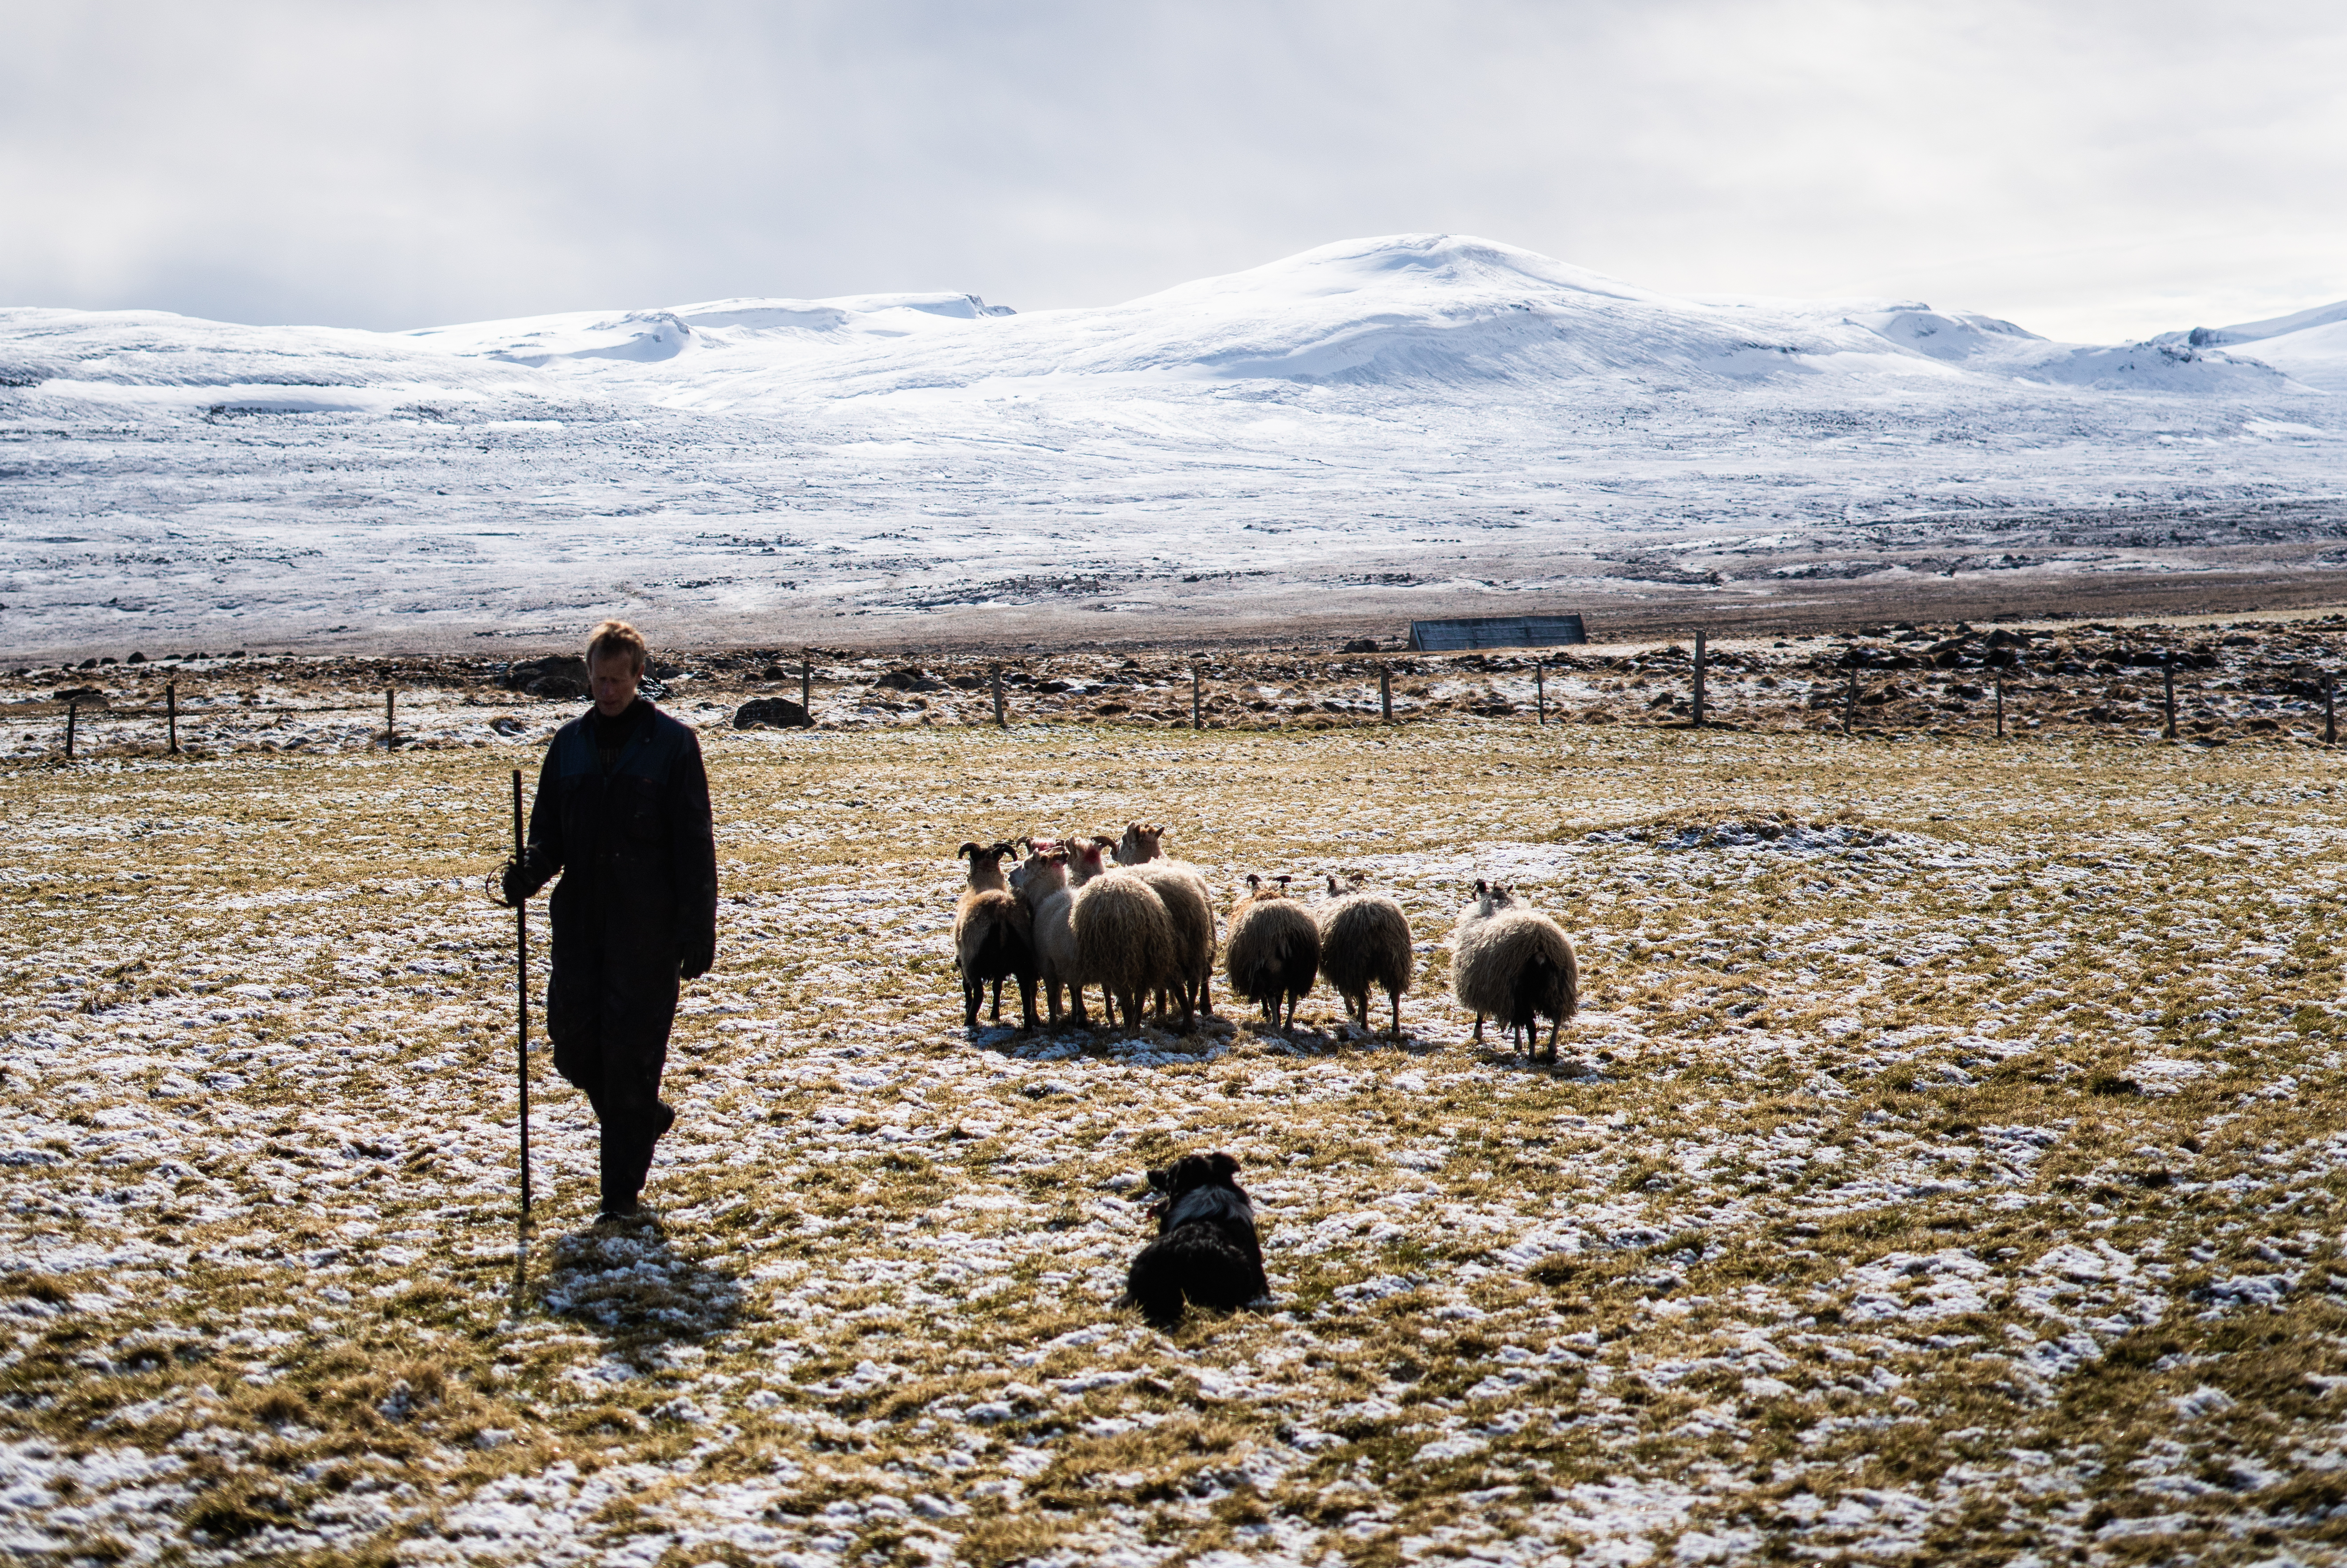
(615, 636)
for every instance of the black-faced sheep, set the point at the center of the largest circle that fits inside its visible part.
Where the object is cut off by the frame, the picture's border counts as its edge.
(1514, 964)
(1273, 955)
(1364, 942)
(993, 936)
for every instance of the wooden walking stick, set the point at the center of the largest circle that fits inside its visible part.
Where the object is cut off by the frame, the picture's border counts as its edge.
(521, 999)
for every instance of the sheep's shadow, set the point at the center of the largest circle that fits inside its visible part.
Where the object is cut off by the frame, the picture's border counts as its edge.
(1568, 1067)
(626, 1281)
(1313, 1038)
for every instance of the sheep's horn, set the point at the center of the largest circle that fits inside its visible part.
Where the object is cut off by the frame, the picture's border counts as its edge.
(968, 851)
(1481, 886)
(1253, 880)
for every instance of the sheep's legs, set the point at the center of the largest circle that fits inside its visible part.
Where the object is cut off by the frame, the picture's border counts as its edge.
(1555, 1025)
(1026, 1003)
(997, 999)
(972, 993)
(1396, 1005)
(1478, 1028)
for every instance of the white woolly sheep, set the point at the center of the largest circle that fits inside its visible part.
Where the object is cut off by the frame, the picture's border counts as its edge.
(1273, 955)
(1365, 941)
(1514, 964)
(993, 937)
(1124, 943)
(1042, 885)
(1187, 899)
(1190, 924)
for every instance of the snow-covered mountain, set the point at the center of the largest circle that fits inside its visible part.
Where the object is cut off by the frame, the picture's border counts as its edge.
(1408, 311)
(2308, 346)
(1385, 422)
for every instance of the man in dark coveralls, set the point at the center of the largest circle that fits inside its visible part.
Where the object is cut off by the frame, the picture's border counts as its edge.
(623, 812)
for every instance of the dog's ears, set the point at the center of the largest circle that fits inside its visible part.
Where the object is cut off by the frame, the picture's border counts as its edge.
(1225, 1165)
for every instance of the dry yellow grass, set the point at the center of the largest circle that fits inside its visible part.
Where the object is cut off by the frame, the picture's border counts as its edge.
(1946, 1164)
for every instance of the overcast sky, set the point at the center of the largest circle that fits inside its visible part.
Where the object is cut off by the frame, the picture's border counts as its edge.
(2095, 171)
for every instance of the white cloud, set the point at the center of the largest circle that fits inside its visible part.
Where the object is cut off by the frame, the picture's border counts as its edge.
(2092, 170)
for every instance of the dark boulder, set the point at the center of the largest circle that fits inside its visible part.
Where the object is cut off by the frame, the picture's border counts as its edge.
(909, 679)
(1360, 645)
(556, 675)
(771, 713)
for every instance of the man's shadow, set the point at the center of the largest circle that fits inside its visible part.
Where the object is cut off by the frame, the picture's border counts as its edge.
(627, 1282)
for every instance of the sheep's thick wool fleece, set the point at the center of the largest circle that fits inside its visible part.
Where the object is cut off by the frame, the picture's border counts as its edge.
(627, 827)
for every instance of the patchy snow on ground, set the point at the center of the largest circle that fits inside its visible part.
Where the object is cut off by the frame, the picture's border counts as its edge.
(1889, 1199)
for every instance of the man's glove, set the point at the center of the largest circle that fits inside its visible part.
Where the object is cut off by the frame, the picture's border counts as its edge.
(696, 960)
(513, 883)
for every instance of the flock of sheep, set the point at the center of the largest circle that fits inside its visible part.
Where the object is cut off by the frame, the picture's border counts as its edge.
(1118, 917)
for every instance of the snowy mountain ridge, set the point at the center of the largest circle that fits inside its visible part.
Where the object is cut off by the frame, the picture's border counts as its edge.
(1366, 428)
(1399, 309)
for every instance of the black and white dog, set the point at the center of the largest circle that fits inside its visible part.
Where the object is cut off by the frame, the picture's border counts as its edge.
(1205, 1251)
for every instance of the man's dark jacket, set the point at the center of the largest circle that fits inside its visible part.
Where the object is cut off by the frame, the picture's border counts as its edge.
(637, 898)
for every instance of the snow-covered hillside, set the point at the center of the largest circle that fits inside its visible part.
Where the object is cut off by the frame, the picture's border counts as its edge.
(2308, 346)
(1364, 429)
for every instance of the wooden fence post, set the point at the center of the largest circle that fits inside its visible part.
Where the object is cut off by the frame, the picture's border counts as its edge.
(73, 713)
(1850, 703)
(2168, 682)
(2000, 704)
(2330, 713)
(1198, 699)
(390, 718)
(1698, 679)
(171, 712)
(1540, 688)
(806, 684)
(1385, 693)
(995, 680)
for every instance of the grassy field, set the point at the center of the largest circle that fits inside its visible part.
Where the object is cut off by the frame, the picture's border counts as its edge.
(1945, 1167)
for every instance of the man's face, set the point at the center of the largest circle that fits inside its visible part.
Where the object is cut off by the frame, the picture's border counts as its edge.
(612, 678)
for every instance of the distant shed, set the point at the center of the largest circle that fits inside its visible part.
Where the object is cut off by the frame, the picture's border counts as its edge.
(1495, 631)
